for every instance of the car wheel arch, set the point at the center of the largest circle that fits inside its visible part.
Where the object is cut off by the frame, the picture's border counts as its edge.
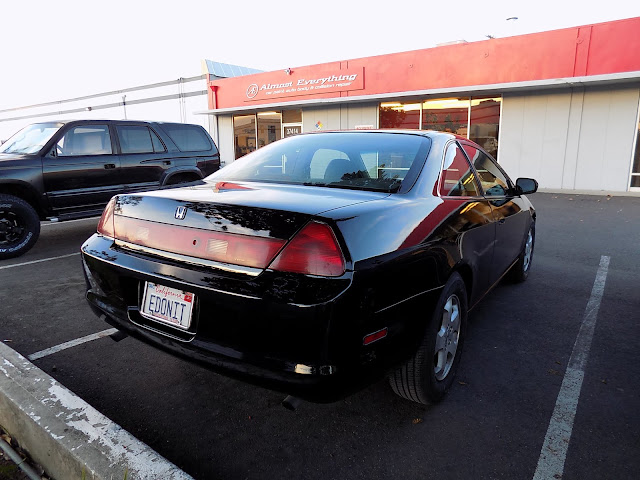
(181, 176)
(466, 272)
(26, 193)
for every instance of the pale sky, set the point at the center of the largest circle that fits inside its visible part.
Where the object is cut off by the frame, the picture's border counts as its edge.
(53, 50)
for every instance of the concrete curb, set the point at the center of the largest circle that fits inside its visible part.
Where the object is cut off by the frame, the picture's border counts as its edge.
(66, 435)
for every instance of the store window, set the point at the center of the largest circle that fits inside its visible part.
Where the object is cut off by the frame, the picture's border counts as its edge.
(475, 118)
(484, 123)
(244, 131)
(446, 115)
(260, 129)
(269, 128)
(400, 115)
(635, 172)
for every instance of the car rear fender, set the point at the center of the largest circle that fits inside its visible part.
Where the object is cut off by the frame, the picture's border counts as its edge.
(466, 273)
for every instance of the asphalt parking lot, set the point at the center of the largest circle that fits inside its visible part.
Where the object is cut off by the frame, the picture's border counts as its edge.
(515, 411)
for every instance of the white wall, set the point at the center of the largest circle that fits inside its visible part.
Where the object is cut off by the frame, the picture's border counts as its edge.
(141, 103)
(329, 117)
(359, 115)
(226, 141)
(579, 139)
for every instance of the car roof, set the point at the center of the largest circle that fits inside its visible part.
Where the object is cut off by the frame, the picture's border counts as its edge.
(94, 120)
(424, 133)
(113, 122)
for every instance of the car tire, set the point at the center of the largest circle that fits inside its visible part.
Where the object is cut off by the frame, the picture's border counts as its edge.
(427, 376)
(19, 226)
(520, 270)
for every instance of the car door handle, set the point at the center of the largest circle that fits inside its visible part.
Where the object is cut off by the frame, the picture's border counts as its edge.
(109, 166)
(167, 162)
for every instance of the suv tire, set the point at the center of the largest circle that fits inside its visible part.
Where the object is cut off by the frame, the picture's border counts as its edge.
(19, 226)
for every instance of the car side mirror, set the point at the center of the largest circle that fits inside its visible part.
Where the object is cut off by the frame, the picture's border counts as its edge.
(526, 185)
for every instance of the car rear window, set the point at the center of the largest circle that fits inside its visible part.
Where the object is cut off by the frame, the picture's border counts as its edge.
(374, 161)
(188, 138)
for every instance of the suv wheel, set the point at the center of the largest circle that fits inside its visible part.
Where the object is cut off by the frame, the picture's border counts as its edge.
(19, 226)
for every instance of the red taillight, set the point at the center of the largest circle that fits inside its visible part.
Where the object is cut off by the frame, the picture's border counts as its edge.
(313, 251)
(220, 186)
(375, 336)
(222, 247)
(105, 226)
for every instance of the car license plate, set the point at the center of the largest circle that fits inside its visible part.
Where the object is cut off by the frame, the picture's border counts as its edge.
(167, 305)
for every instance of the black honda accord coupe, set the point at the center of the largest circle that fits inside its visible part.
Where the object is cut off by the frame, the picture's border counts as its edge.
(320, 263)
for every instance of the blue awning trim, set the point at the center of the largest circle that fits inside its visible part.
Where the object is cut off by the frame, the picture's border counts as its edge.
(225, 70)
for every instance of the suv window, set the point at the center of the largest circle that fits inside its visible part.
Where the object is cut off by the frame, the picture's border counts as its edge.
(188, 138)
(493, 181)
(138, 139)
(457, 179)
(85, 140)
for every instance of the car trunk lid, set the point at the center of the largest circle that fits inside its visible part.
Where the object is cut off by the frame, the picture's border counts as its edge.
(232, 224)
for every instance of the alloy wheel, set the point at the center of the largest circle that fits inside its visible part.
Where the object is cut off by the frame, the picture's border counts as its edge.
(528, 251)
(11, 227)
(447, 338)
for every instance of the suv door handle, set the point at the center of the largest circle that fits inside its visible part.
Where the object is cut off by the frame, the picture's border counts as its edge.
(166, 162)
(109, 166)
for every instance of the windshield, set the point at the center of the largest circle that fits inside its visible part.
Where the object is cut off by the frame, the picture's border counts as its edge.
(375, 161)
(30, 139)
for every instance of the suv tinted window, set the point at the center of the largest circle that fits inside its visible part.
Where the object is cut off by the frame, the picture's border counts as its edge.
(85, 140)
(137, 139)
(188, 138)
(158, 146)
(493, 181)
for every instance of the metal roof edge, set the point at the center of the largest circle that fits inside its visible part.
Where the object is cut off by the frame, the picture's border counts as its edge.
(567, 82)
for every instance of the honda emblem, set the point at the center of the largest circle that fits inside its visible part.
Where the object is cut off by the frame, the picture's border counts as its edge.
(181, 212)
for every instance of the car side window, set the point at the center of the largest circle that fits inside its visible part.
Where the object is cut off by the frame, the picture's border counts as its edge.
(158, 146)
(457, 178)
(85, 140)
(494, 183)
(138, 139)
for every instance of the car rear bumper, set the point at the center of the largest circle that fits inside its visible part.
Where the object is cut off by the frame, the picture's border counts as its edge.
(264, 329)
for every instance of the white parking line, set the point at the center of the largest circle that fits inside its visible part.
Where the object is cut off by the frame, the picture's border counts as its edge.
(556, 442)
(38, 261)
(72, 343)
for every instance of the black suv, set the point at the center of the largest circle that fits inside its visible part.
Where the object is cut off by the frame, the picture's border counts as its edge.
(70, 169)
